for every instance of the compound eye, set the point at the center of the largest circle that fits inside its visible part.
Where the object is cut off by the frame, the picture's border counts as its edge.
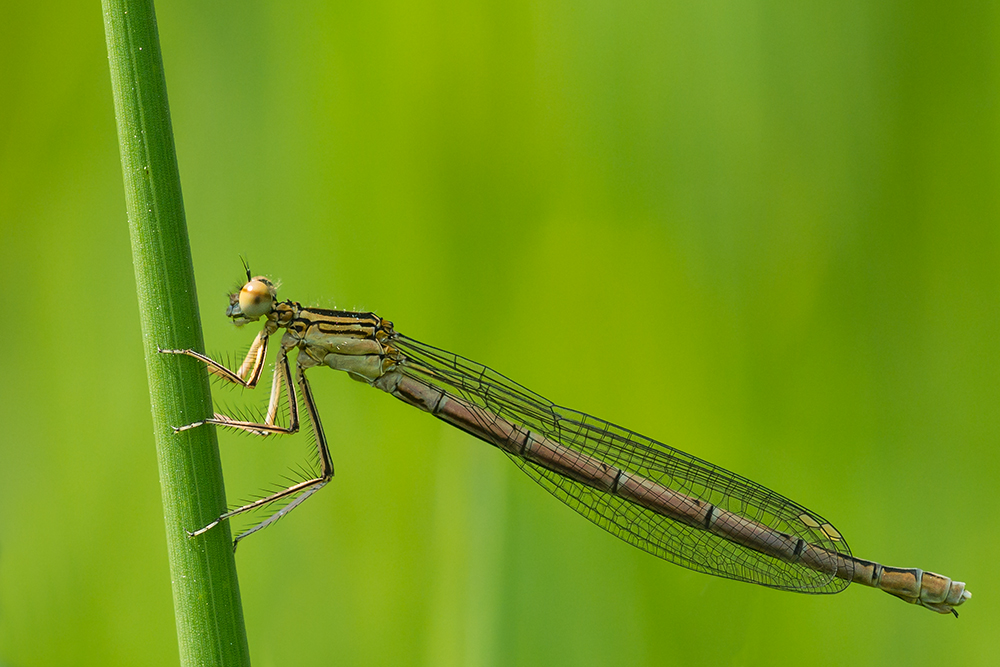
(256, 299)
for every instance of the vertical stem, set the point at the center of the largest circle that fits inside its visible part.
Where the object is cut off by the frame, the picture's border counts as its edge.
(209, 617)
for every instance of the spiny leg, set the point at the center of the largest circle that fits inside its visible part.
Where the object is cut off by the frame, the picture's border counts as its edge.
(249, 371)
(300, 491)
(282, 376)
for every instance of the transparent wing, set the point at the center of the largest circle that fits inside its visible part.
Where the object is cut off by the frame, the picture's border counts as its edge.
(675, 541)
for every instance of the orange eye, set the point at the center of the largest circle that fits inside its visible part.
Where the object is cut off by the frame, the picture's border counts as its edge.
(256, 299)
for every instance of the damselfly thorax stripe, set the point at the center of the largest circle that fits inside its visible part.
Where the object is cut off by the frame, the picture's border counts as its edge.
(667, 502)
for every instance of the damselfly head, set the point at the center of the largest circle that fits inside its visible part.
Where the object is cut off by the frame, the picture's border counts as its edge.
(255, 300)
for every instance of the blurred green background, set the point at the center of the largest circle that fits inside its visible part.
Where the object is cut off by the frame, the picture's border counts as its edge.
(764, 233)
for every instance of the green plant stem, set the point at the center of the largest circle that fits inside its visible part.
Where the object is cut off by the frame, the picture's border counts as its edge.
(209, 617)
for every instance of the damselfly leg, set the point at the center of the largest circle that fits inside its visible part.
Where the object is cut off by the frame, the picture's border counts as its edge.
(247, 376)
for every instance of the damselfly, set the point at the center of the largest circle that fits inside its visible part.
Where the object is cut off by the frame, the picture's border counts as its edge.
(660, 499)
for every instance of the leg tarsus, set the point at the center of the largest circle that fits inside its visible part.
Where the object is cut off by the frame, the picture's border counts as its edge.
(187, 427)
(205, 529)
